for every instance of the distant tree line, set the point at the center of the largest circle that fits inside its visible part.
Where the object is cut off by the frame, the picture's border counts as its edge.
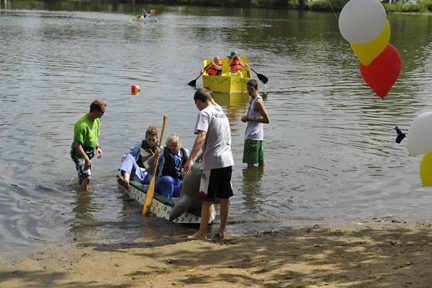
(422, 6)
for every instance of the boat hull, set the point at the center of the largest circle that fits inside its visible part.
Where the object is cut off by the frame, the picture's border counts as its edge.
(162, 206)
(225, 83)
(151, 19)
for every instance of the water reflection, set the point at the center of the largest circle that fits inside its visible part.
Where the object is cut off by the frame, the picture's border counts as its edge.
(251, 189)
(84, 206)
(235, 106)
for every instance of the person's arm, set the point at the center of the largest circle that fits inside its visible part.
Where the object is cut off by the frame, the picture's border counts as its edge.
(205, 69)
(199, 141)
(80, 150)
(242, 63)
(216, 66)
(98, 148)
(259, 104)
(152, 159)
(133, 151)
(245, 118)
(199, 158)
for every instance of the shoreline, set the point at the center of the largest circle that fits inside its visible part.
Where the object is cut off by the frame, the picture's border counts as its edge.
(367, 254)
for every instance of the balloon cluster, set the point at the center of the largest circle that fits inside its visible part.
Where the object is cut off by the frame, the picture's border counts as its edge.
(364, 24)
(135, 89)
(420, 142)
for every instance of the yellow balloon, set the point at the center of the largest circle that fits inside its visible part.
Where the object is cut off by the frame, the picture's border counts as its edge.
(369, 51)
(426, 169)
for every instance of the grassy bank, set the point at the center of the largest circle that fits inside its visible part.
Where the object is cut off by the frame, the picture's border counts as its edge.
(424, 6)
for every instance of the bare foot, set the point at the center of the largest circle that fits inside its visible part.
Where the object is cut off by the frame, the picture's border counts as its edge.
(123, 182)
(197, 236)
(220, 234)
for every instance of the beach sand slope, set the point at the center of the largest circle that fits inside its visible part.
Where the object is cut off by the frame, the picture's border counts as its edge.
(357, 255)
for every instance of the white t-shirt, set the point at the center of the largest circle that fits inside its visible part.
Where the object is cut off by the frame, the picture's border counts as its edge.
(217, 145)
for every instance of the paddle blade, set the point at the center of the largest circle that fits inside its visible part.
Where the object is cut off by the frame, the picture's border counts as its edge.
(192, 83)
(149, 197)
(133, 19)
(263, 78)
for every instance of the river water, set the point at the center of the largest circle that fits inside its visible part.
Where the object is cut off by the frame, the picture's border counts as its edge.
(330, 147)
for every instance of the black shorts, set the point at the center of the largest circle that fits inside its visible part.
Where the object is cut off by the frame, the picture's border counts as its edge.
(216, 183)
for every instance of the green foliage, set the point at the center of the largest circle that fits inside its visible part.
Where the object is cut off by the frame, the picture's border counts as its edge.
(290, 4)
(423, 6)
(402, 7)
(293, 4)
(420, 7)
(326, 5)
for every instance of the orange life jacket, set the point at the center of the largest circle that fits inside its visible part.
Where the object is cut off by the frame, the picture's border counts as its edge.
(212, 70)
(235, 65)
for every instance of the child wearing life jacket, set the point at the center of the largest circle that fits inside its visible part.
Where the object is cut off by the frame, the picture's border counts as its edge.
(214, 68)
(236, 65)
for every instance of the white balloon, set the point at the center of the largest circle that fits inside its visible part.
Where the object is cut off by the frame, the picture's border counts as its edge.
(420, 135)
(361, 21)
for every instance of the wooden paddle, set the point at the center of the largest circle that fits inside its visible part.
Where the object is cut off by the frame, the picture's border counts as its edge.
(193, 82)
(261, 77)
(151, 187)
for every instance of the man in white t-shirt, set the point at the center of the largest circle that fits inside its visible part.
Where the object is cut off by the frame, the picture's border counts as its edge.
(214, 137)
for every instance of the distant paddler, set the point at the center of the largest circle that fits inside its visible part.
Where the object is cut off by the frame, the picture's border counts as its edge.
(144, 14)
(214, 67)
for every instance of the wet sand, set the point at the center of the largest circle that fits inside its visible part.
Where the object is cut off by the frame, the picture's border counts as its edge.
(366, 254)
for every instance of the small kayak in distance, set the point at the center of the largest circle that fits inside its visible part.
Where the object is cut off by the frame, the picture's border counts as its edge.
(151, 19)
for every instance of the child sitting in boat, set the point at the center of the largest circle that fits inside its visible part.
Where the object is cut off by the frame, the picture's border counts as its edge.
(173, 157)
(144, 15)
(214, 68)
(134, 163)
(236, 65)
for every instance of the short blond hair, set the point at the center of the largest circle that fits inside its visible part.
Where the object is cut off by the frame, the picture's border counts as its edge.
(174, 138)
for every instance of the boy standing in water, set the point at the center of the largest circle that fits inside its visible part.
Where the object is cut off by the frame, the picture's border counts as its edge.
(253, 152)
(86, 143)
(214, 137)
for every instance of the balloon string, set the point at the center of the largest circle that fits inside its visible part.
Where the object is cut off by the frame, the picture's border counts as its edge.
(333, 10)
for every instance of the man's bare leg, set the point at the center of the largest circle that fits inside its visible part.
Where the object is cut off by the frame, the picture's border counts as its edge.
(224, 212)
(124, 181)
(262, 164)
(250, 166)
(205, 217)
(85, 184)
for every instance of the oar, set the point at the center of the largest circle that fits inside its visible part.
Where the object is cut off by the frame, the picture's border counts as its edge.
(193, 82)
(261, 77)
(151, 187)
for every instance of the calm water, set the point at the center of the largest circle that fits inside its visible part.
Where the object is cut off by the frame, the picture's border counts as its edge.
(330, 148)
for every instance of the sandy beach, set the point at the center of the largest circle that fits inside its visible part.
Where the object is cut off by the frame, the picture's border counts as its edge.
(368, 254)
